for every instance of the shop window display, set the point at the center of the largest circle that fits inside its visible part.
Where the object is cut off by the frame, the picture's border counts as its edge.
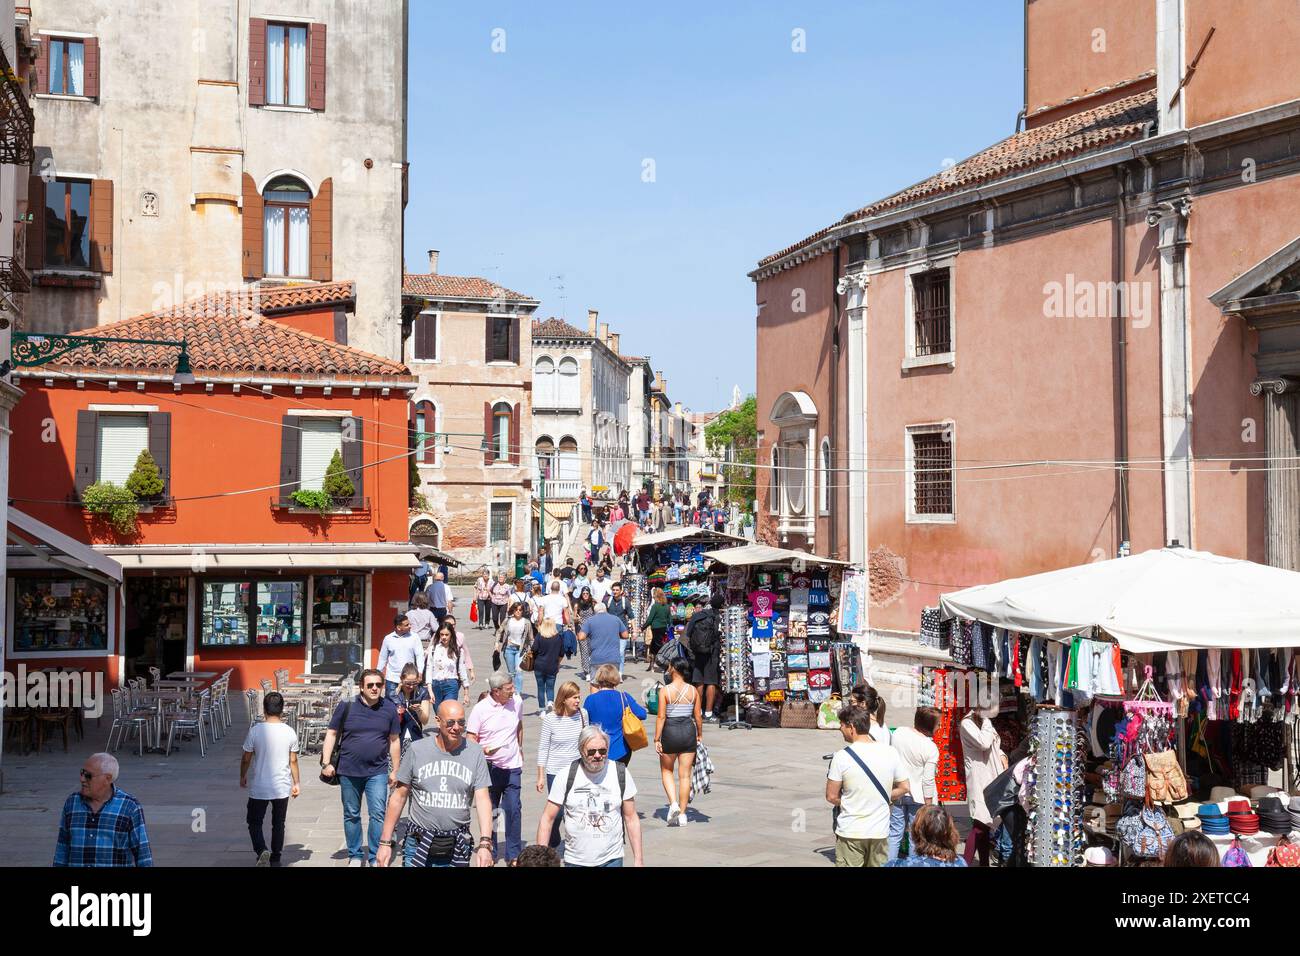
(60, 615)
(338, 623)
(241, 613)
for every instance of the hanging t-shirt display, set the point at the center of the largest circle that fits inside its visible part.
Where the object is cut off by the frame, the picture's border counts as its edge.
(762, 603)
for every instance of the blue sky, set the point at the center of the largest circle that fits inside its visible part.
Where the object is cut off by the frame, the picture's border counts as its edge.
(528, 163)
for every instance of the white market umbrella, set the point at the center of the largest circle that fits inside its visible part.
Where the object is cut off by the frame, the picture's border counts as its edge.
(1161, 600)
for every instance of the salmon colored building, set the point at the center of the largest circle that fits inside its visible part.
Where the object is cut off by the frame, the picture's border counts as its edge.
(225, 568)
(1080, 341)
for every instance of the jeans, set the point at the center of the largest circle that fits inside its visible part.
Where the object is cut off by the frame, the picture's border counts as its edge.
(545, 689)
(376, 790)
(901, 815)
(389, 687)
(484, 613)
(505, 794)
(256, 816)
(444, 690)
(622, 656)
(617, 861)
(511, 657)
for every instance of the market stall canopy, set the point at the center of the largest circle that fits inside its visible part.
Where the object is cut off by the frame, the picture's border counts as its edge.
(42, 546)
(687, 533)
(555, 510)
(1167, 599)
(757, 554)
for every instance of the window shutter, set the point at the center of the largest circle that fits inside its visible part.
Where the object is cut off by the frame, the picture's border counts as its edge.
(322, 248)
(90, 68)
(101, 225)
(256, 62)
(353, 460)
(36, 228)
(514, 434)
(254, 253)
(41, 81)
(515, 334)
(87, 450)
(487, 342)
(412, 442)
(488, 436)
(316, 67)
(426, 337)
(160, 446)
(430, 425)
(289, 444)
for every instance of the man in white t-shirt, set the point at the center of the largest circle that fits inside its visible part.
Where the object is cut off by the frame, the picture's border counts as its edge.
(598, 808)
(918, 758)
(600, 587)
(864, 778)
(555, 605)
(271, 752)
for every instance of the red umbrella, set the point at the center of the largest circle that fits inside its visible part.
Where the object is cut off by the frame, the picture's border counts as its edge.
(623, 538)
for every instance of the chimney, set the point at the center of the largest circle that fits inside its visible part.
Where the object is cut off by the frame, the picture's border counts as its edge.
(613, 342)
(663, 383)
(592, 317)
(604, 332)
(433, 262)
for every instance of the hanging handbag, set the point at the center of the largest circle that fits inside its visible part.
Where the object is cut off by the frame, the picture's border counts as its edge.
(333, 781)
(1165, 780)
(652, 700)
(828, 713)
(526, 659)
(1285, 854)
(473, 612)
(1146, 834)
(1133, 779)
(799, 715)
(1236, 855)
(634, 734)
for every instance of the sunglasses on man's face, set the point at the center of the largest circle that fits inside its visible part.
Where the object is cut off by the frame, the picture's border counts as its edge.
(87, 775)
(451, 722)
(372, 686)
(597, 753)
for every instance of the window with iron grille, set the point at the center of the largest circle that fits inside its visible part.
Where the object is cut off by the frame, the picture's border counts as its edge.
(931, 311)
(499, 523)
(932, 472)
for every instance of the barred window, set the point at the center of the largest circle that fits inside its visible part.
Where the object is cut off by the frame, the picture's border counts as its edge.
(932, 473)
(931, 310)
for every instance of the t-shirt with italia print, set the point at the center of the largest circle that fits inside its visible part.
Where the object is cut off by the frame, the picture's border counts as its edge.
(442, 784)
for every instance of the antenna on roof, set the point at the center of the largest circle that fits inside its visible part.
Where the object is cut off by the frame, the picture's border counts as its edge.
(559, 288)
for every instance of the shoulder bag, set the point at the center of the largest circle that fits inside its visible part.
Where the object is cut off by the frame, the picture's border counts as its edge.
(884, 794)
(526, 659)
(799, 715)
(338, 749)
(634, 734)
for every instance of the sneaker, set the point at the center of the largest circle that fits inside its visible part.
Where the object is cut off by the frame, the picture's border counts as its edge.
(683, 819)
(275, 863)
(264, 858)
(674, 815)
(356, 861)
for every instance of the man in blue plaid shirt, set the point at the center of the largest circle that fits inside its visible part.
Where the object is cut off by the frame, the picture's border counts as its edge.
(101, 825)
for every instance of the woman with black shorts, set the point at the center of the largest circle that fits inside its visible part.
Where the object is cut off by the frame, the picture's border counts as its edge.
(677, 731)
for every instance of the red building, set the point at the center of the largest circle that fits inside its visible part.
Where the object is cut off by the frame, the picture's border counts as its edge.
(224, 568)
(1080, 340)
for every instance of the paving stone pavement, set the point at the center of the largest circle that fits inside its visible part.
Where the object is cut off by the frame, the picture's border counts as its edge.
(767, 806)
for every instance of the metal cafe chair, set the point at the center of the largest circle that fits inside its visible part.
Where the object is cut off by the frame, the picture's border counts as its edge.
(156, 674)
(253, 701)
(18, 726)
(189, 720)
(127, 719)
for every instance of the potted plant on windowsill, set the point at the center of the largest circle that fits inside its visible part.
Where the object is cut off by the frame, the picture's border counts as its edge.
(146, 481)
(337, 484)
(312, 500)
(114, 503)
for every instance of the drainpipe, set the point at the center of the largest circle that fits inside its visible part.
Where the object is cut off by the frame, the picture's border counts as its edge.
(1119, 261)
(832, 491)
(1024, 112)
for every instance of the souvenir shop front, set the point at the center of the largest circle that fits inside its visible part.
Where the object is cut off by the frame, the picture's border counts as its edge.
(255, 612)
(1138, 698)
(674, 560)
(782, 655)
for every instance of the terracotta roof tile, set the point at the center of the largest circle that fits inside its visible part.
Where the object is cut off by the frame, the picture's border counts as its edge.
(1108, 125)
(230, 334)
(458, 287)
(554, 328)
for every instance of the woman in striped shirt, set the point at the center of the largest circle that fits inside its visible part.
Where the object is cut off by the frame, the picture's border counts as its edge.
(557, 748)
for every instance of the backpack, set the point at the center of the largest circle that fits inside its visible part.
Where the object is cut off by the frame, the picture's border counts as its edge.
(1236, 855)
(702, 634)
(1285, 854)
(1146, 834)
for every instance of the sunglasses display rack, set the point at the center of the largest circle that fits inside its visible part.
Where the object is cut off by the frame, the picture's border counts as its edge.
(1055, 830)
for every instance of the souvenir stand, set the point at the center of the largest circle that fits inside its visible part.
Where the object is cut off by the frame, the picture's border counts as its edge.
(674, 560)
(779, 641)
(1158, 692)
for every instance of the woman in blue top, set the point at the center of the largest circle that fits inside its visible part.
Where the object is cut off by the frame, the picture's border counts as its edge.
(414, 704)
(934, 839)
(605, 707)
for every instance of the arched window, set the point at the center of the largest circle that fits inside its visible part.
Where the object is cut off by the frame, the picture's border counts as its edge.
(796, 468)
(545, 451)
(426, 532)
(544, 383)
(286, 225)
(569, 392)
(824, 487)
(570, 467)
(501, 431)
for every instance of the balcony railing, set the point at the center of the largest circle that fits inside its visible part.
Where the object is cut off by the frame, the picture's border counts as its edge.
(16, 118)
(557, 488)
(342, 507)
(13, 277)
